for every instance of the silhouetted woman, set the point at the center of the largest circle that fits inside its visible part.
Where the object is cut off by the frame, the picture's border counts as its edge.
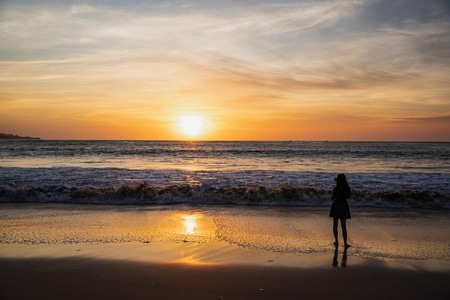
(339, 208)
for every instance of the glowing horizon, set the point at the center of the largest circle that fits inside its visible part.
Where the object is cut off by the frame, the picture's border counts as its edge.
(278, 70)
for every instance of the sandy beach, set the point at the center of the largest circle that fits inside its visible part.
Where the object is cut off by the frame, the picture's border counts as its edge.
(185, 252)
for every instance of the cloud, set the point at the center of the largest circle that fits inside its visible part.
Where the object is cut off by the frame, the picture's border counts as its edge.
(388, 58)
(440, 119)
(402, 13)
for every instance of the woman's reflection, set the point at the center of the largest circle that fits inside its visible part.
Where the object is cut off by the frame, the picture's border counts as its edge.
(343, 261)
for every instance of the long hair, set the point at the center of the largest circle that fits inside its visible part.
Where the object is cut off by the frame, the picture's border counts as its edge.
(342, 189)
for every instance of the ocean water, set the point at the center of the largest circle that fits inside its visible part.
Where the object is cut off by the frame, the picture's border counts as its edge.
(381, 174)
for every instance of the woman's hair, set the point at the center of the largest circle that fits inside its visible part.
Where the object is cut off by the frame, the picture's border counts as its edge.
(342, 187)
(341, 180)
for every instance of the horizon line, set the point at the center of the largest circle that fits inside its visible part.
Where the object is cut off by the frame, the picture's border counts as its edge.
(237, 140)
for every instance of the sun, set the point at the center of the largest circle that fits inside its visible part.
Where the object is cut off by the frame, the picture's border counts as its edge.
(191, 125)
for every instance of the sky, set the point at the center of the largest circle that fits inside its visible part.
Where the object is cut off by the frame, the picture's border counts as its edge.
(375, 70)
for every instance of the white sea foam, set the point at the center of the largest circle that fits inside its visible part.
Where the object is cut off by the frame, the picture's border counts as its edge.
(120, 186)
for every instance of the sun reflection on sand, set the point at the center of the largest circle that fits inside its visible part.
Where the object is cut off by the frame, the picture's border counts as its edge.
(190, 224)
(191, 253)
(193, 260)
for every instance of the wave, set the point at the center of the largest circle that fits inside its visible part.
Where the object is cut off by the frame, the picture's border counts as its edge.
(281, 195)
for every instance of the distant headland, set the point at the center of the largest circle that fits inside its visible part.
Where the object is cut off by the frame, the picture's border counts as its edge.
(6, 136)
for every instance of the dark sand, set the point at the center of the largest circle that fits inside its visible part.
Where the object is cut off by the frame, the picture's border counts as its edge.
(112, 279)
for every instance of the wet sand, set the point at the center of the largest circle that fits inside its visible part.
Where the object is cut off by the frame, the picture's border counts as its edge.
(72, 278)
(91, 252)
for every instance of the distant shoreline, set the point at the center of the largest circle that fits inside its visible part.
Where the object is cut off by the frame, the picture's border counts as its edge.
(6, 136)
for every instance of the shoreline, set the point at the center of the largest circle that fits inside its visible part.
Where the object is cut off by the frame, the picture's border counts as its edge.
(214, 254)
(13, 137)
(200, 252)
(415, 235)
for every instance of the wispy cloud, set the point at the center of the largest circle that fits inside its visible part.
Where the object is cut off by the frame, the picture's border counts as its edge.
(429, 119)
(389, 58)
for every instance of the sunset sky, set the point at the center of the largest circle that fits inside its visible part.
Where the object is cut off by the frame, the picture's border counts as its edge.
(249, 70)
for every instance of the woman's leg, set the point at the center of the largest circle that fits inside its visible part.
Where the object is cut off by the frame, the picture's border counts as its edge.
(344, 232)
(335, 231)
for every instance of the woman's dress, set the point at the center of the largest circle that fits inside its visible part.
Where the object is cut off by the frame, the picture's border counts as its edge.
(339, 208)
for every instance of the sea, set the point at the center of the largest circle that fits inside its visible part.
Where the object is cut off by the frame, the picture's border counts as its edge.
(289, 173)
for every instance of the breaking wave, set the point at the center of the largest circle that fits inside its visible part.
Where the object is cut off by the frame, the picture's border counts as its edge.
(281, 195)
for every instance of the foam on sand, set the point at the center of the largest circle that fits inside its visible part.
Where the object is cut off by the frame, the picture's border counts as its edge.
(198, 232)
